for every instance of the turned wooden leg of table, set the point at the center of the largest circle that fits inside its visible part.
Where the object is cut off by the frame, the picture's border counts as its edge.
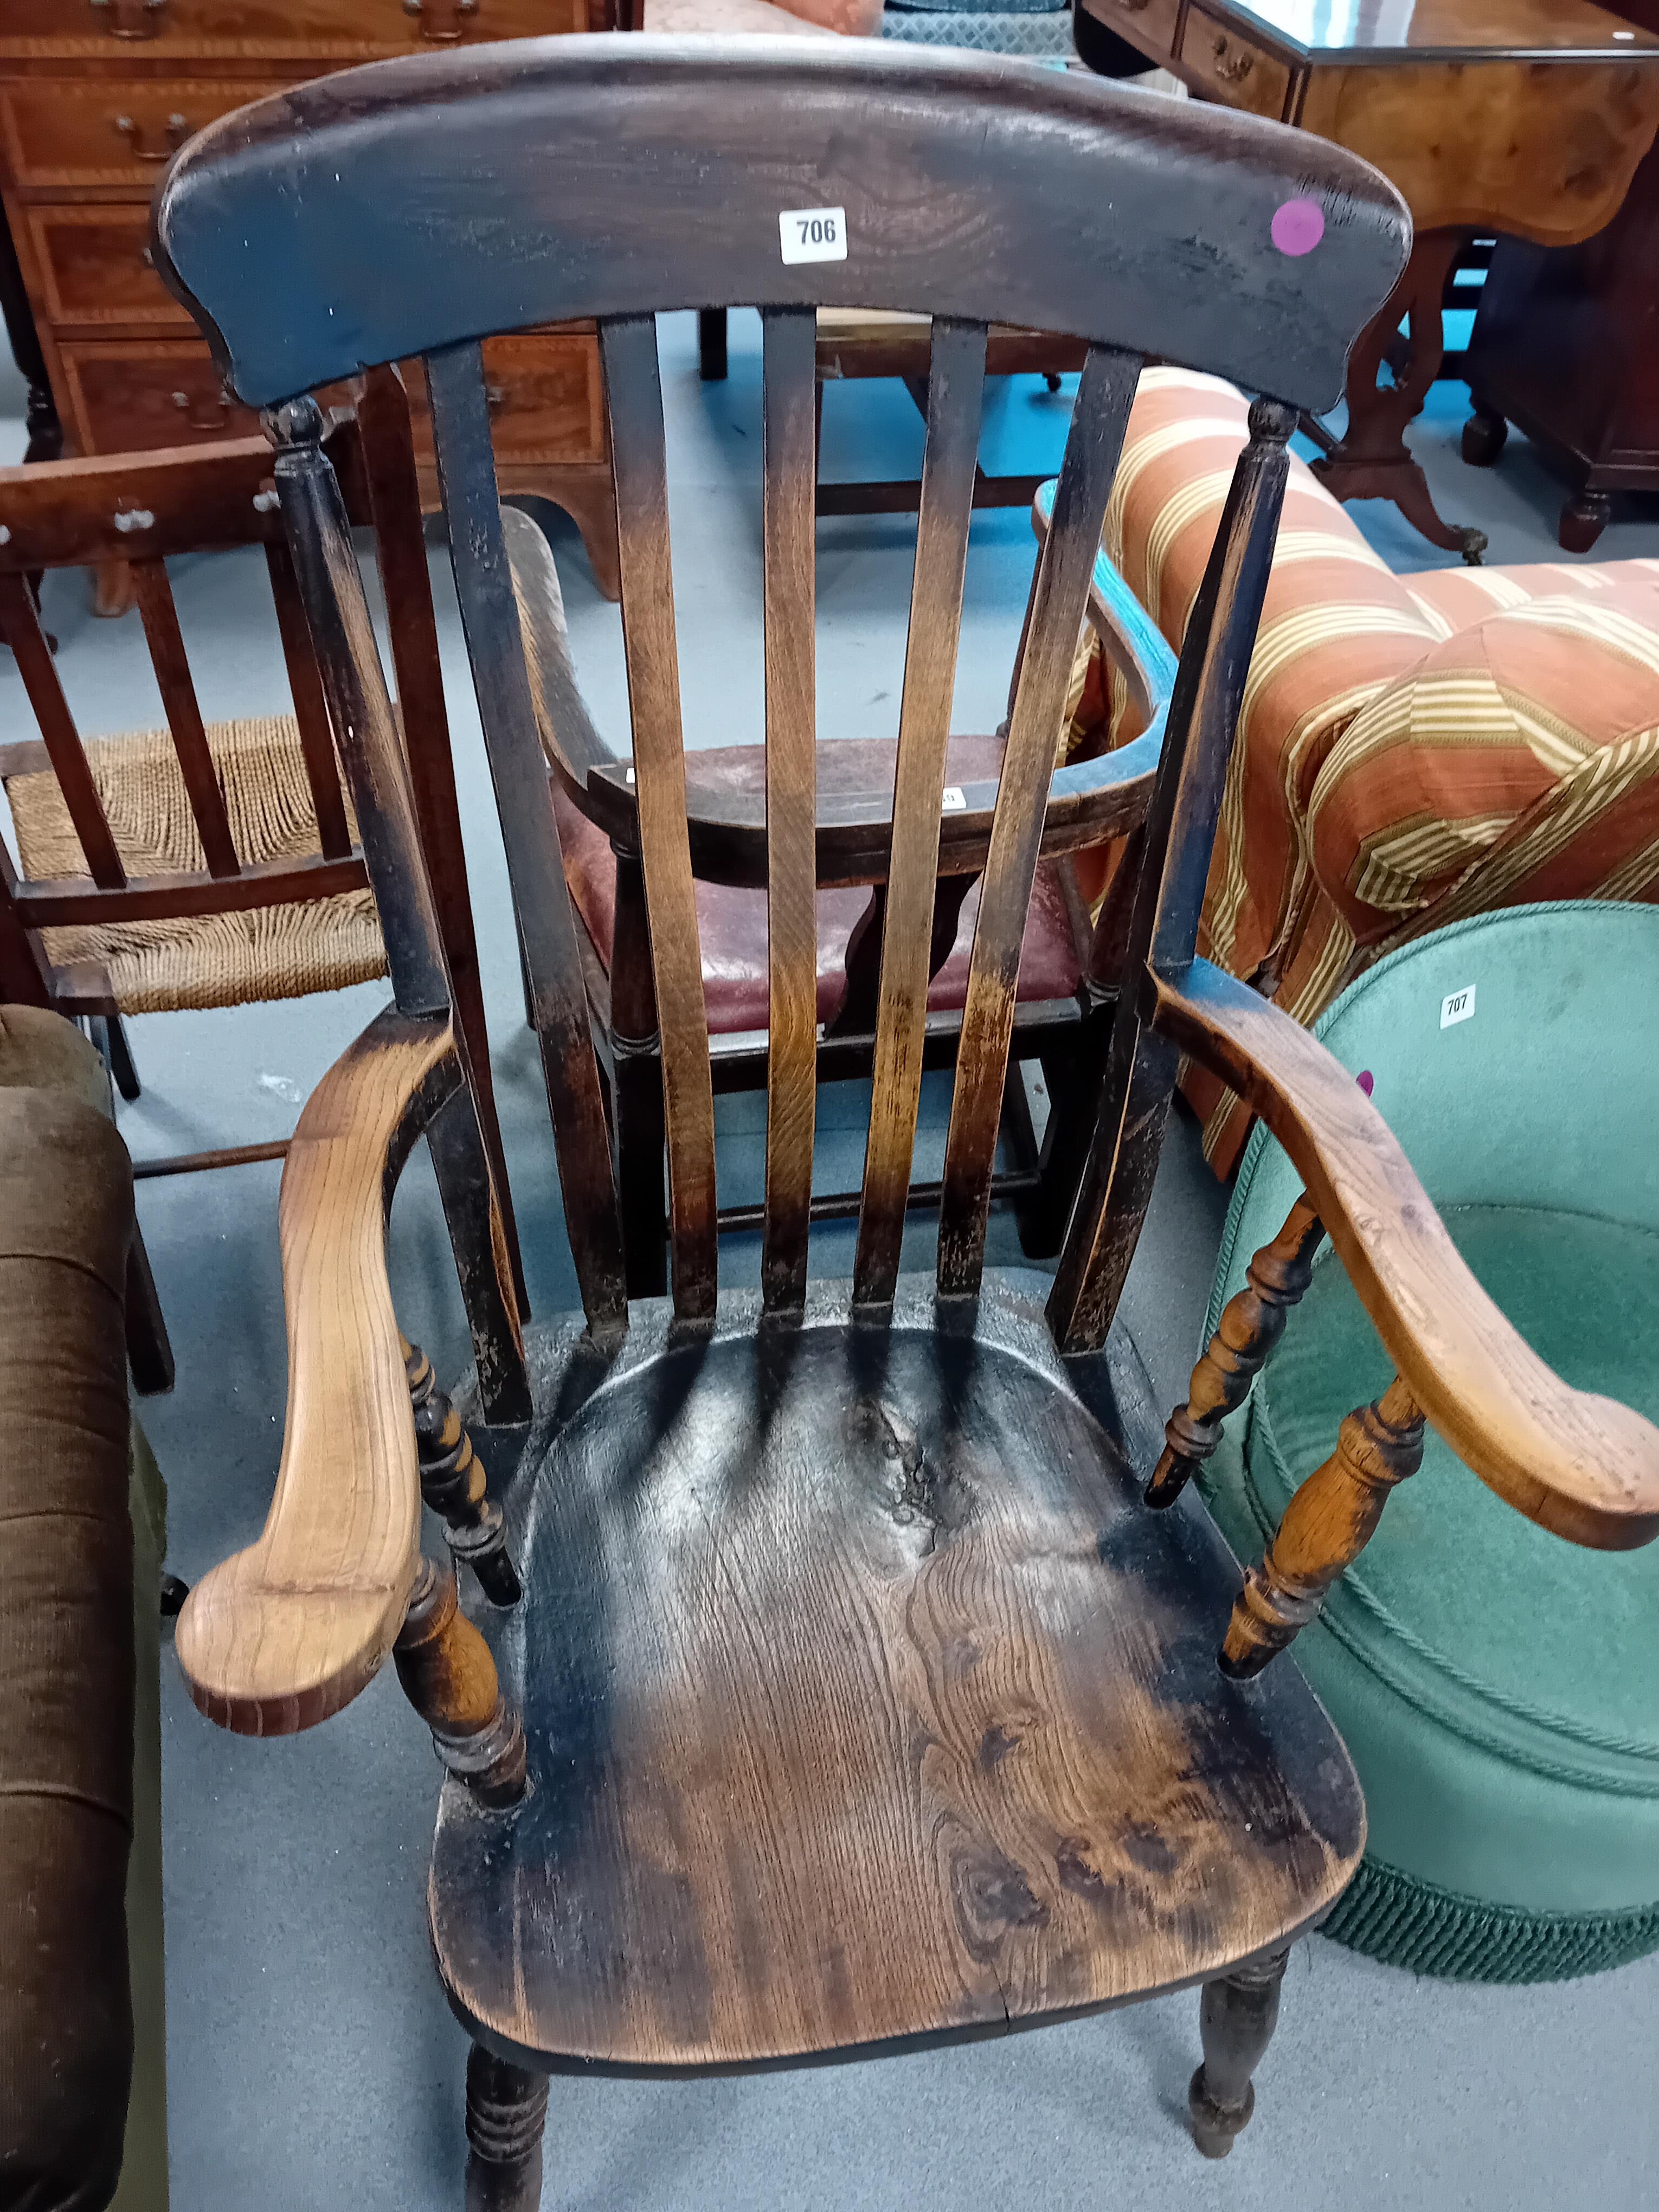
(1372, 460)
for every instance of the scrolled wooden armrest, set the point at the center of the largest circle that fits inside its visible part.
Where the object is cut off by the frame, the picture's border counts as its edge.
(1583, 1465)
(281, 1635)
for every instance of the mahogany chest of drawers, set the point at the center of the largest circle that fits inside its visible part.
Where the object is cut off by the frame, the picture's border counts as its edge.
(95, 95)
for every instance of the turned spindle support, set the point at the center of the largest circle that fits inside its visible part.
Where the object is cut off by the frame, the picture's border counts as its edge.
(449, 1677)
(1326, 1525)
(1238, 2014)
(453, 1484)
(506, 2112)
(1251, 1326)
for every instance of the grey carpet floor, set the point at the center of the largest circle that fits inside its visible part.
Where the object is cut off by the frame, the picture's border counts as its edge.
(313, 2061)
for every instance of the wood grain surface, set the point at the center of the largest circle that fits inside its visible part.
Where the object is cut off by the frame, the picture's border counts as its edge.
(865, 1704)
(283, 1634)
(1579, 1464)
(956, 390)
(789, 563)
(628, 349)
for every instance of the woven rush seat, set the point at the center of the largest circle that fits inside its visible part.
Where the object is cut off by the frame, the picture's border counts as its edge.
(207, 960)
(1498, 1689)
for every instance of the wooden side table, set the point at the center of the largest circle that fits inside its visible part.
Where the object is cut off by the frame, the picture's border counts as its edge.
(1566, 346)
(1524, 116)
(95, 96)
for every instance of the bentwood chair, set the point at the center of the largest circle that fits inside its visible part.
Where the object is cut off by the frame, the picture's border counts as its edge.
(1066, 975)
(855, 1699)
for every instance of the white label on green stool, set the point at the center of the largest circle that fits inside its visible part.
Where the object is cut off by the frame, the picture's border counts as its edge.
(813, 233)
(1459, 1007)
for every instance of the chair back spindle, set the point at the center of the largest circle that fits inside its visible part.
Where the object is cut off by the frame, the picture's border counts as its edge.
(183, 710)
(789, 444)
(1106, 391)
(627, 350)
(24, 635)
(547, 931)
(310, 706)
(956, 389)
(1179, 832)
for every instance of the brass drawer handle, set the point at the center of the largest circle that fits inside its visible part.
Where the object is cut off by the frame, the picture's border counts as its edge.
(193, 411)
(440, 20)
(131, 19)
(177, 130)
(1231, 68)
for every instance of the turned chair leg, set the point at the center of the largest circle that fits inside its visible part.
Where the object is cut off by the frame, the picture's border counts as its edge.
(1237, 2020)
(453, 1484)
(506, 2112)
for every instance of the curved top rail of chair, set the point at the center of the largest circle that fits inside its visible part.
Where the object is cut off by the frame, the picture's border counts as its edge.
(320, 231)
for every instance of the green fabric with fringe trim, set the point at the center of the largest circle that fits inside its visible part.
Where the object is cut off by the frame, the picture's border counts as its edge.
(1497, 1688)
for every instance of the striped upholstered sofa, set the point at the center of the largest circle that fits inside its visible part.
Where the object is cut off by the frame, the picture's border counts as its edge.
(1412, 748)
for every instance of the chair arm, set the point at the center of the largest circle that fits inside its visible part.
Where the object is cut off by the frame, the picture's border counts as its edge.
(1127, 634)
(1581, 1464)
(280, 1635)
(573, 747)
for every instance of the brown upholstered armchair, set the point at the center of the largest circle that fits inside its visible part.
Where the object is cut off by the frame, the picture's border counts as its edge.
(82, 2079)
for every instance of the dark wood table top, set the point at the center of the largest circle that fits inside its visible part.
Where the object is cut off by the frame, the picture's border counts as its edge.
(1384, 31)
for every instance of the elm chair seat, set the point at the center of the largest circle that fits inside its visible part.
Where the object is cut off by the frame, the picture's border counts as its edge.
(1498, 1689)
(731, 920)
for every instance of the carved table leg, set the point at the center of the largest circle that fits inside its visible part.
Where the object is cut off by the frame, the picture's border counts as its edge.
(449, 1677)
(453, 1484)
(1326, 1525)
(1252, 1324)
(506, 2112)
(1236, 2019)
(1370, 459)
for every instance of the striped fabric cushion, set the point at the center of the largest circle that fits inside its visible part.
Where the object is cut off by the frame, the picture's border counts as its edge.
(1411, 748)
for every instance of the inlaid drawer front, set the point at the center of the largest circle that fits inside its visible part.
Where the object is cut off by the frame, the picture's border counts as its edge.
(137, 396)
(296, 24)
(1232, 67)
(545, 396)
(1149, 22)
(95, 268)
(99, 133)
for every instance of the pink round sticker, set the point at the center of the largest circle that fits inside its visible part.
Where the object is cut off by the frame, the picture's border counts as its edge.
(1298, 226)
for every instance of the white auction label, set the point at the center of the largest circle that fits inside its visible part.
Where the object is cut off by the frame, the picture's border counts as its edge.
(954, 800)
(1459, 1006)
(813, 233)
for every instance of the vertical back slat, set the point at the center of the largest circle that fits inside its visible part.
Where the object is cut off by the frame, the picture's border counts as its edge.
(518, 769)
(1105, 392)
(167, 657)
(627, 347)
(20, 627)
(310, 708)
(789, 441)
(1179, 835)
(956, 389)
(386, 441)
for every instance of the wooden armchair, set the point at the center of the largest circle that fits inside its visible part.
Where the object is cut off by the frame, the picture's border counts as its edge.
(854, 1700)
(1068, 967)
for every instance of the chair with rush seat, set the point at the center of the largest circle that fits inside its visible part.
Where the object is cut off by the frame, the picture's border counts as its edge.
(854, 1701)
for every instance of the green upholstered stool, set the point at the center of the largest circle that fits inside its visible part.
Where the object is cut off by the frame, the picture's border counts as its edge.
(1497, 1687)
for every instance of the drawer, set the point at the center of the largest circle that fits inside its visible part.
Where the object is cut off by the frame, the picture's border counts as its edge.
(93, 267)
(137, 396)
(546, 398)
(1145, 23)
(104, 132)
(1227, 66)
(354, 25)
